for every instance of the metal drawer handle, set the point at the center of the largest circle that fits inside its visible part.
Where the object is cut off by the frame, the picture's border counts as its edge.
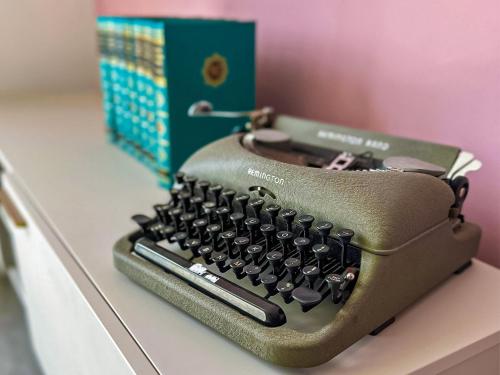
(11, 209)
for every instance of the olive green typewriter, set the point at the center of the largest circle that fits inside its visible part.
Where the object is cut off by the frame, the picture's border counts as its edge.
(295, 239)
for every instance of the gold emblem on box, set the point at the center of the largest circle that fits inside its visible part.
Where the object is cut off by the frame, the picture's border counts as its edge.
(215, 70)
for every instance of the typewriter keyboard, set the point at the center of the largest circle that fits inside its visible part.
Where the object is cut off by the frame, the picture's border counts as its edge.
(266, 261)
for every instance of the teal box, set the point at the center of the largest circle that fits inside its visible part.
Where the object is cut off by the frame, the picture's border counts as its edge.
(169, 65)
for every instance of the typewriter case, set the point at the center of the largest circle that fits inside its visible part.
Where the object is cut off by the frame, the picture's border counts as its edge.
(410, 241)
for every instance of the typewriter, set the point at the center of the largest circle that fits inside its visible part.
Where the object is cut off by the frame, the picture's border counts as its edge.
(295, 239)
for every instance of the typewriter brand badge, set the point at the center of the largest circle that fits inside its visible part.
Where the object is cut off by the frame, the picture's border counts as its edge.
(215, 70)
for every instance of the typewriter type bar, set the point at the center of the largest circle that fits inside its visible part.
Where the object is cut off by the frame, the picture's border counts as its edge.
(198, 276)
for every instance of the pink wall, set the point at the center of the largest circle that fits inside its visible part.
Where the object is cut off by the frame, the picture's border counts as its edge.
(426, 69)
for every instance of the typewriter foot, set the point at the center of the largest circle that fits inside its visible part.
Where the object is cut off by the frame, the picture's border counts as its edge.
(463, 268)
(383, 326)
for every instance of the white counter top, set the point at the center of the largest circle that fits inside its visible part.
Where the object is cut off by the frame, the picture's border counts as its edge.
(86, 190)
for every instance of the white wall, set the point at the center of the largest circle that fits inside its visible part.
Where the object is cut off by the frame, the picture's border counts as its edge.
(47, 45)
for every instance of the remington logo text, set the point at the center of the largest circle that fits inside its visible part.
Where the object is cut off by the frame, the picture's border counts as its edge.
(266, 176)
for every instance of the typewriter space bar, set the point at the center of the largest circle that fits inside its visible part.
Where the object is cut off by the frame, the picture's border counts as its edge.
(199, 277)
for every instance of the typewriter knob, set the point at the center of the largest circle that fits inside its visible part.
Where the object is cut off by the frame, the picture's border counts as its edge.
(320, 252)
(216, 191)
(206, 253)
(200, 225)
(167, 232)
(305, 222)
(285, 288)
(220, 261)
(185, 200)
(269, 281)
(334, 280)
(203, 186)
(324, 228)
(252, 224)
(252, 271)
(255, 252)
(257, 204)
(213, 231)
(285, 238)
(208, 210)
(268, 230)
(237, 266)
(174, 194)
(190, 182)
(241, 243)
(237, 219)
(307, 298)
(275, 258)
(228, 196)
(175, 214)
(154, 230)
(223, 214)
(311, 274)
(193, 244)
(180, 238)
(289, 216)
(179, 177)
(142, 220)
(243, 199)
(292, 266)
(162, 212)
(345, 236)
(228, 238)
(273, 211)
(197, 203)
(302, 244)
(187, 219)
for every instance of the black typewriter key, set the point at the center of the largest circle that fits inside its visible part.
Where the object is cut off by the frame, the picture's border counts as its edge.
(293, 267)
(252, 224)
(307, 298)
(196, 203)
(200, 225)
(179, 177)
(253, 271)
(220, 261)
(305, 222)
(243, 199)
(174, 194)
(162, 212)
(209, 211)
(167, 232)
(324, 228)
(193, 244)
(241, 244)
(227, 197)
(154, 231)
(334, 281)
(255, 252)
(216, 191)
(289, 216)
(268, 231)
(275, 259)
(302, 244)
(237, 220)
(187, 219)
(257, 205)
(180, 238)
(213, 231)
(285, 238)
(270, 282)
(175, 214)
(237, 265)
(273, 211)
(203, 186)
(185, 200)
(285, 289)
(142, 221)
(206, 253)
(223, 215)
(311, 274)
(228, 238)
(190, 182)
(345, 236)
(321, 252)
